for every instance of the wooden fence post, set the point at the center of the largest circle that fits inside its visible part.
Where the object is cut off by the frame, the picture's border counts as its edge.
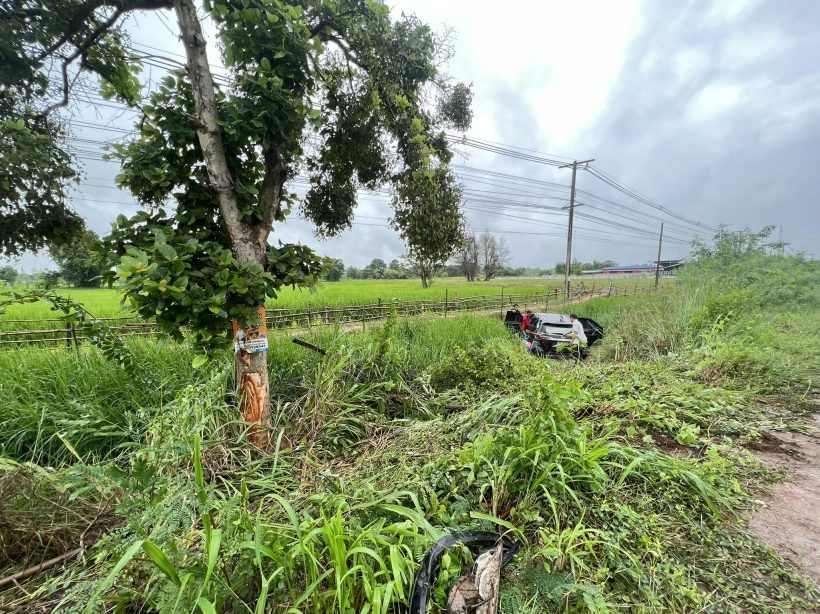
(68, 328)
(502, 302)
(446, 301)
(309, 314)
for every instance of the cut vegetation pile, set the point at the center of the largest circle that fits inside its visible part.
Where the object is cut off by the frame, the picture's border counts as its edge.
(625, 478)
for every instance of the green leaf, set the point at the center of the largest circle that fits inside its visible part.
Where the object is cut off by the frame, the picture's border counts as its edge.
(205, 606)
(213, 554)
(109, 579)
(265, 64)
(68, 445)
(503, 523)
(199, 360)
(161, 561)
(416, 517)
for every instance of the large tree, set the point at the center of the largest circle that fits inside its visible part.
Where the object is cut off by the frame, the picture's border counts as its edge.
(335, 269)
(468, 257)
(424, 268)
(494, 255)
(375, 270)
(79, 264)
(333, 88)
(35, 166)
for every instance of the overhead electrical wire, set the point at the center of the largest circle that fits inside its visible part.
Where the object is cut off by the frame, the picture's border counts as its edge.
(521, 153)
(485, 197)
(611, 181)
(468, 174)
(520, 187)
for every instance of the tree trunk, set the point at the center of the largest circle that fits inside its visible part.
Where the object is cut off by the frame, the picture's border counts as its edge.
(248, 242)
(254, 393)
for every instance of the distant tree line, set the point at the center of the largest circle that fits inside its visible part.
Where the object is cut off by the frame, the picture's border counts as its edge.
(78, 265)
(580, 267)
(379, 269)
(480, 257)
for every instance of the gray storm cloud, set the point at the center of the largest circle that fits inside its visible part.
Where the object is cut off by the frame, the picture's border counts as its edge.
(709, 108)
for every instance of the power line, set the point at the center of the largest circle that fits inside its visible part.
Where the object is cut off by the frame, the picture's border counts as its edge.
(611, 181)
(521, 187)
(520, 153)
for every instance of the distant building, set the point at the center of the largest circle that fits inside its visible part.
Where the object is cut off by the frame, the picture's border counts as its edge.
(629, 269)
(668, 267)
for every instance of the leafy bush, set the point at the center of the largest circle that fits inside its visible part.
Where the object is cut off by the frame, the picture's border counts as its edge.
(493, 364)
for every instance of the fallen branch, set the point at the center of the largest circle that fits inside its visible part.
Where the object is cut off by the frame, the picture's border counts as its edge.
(309, 346)
(33, 571)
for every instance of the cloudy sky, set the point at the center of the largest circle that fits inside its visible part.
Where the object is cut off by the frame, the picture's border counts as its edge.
(710, 110)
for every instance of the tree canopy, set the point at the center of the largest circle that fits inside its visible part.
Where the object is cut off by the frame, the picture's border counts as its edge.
(78, 264)
(336, 90)
(335, 269)
(8, 274)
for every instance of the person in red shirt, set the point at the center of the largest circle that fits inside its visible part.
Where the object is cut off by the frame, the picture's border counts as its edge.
(525, 323)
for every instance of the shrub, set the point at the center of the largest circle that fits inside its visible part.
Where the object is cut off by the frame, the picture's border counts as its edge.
(492, 364)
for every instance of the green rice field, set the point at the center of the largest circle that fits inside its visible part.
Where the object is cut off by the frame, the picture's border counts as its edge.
(105, 302)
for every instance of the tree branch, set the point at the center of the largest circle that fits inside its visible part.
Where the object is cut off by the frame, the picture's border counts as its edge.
(348, 53)
(81, 49)
(33, 571)
(85, 11)
(269, 195)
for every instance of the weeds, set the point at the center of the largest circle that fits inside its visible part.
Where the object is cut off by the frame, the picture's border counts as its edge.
(623, 476)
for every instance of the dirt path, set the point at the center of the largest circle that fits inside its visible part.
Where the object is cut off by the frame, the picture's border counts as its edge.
(789, 519)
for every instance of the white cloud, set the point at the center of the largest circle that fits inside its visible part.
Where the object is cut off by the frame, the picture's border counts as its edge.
(712, 101)
(563, 59)
(722, 11)
(657, 91)
(689, 63)
(746, 48)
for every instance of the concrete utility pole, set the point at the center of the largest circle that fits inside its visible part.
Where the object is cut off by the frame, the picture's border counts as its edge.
(658, 262)
(574, 166)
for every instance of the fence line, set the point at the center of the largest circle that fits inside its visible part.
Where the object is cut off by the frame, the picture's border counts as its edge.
(328, 315)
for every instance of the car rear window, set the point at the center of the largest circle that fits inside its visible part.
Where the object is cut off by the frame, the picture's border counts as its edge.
(553, 328)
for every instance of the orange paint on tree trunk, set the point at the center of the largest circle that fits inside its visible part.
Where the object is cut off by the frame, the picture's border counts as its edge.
(251, 346)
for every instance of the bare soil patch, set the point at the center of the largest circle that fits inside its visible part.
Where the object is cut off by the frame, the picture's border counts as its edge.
(789, 519)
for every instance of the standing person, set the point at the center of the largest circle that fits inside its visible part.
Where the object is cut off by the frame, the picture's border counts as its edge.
(526, 322)
(513, 319)
(577, 333)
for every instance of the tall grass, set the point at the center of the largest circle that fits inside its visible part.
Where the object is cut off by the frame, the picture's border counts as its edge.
(59, 405)
(395, 436)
